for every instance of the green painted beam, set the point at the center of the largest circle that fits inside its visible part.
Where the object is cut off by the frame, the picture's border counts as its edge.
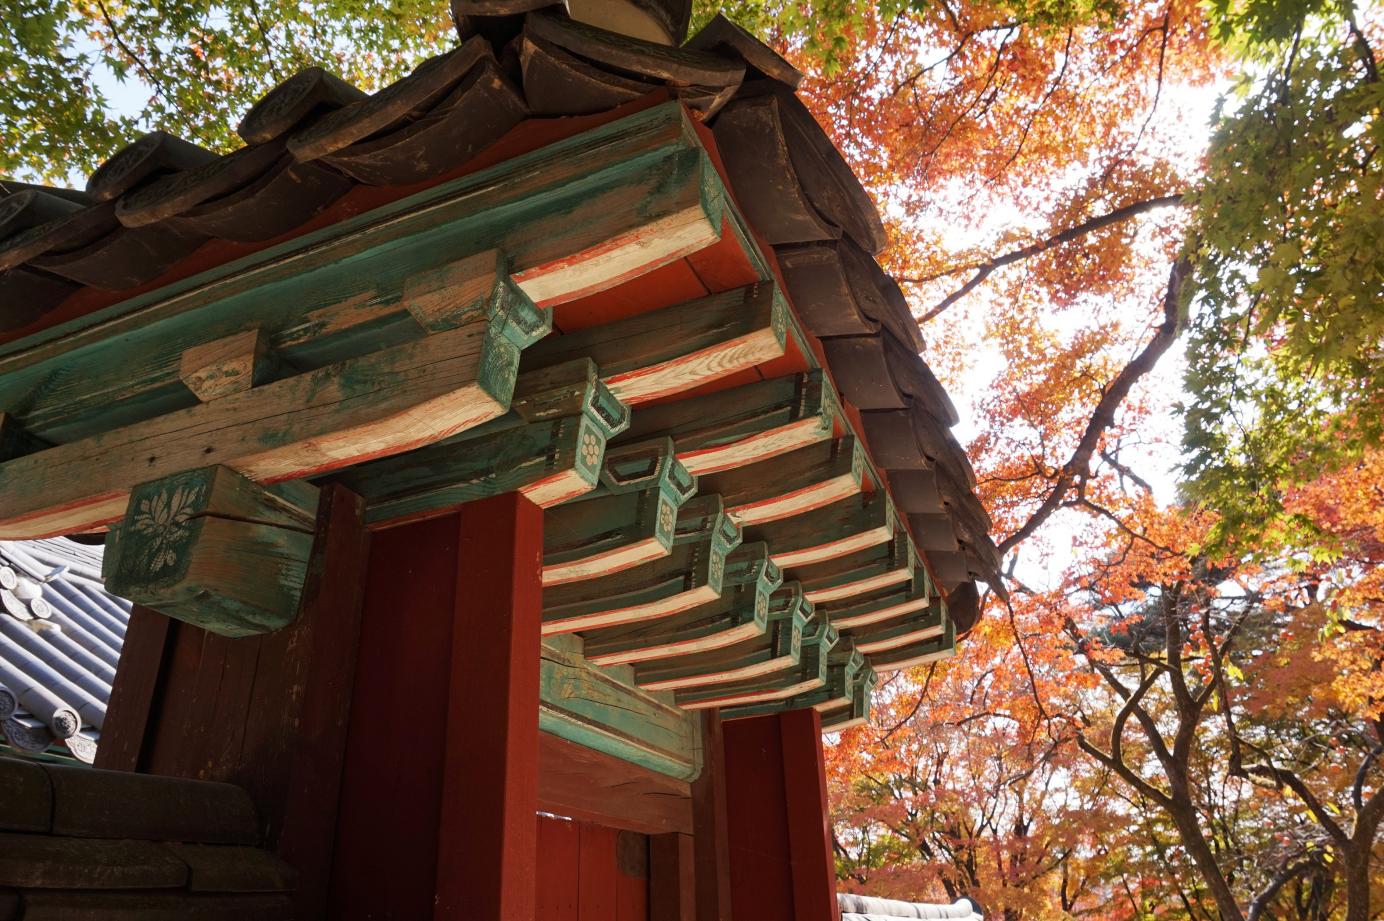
(845, 526)
(740, 612)
(860, 573)
(670, 350)
(600, 709)
(778, 649)
(792, 483)
(688, 576)
(215, 550)
(550, 459)
(741, 425)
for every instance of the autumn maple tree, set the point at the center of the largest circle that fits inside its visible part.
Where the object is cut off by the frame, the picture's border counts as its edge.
(1142, 241)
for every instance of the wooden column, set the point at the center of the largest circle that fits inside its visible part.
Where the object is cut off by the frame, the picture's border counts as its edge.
(711, 842)
(776, 805)
(438, 801)
(487, 845)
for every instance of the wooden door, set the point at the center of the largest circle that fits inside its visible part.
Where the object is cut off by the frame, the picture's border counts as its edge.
(588, 872)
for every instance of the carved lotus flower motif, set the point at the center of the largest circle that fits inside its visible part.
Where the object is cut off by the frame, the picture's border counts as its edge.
(163, 520)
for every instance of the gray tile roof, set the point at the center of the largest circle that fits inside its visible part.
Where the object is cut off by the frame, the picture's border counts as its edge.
(60, 638)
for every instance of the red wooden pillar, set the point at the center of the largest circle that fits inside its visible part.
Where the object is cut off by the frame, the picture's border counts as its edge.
(440, 788)
(781, 866)
(487, 848)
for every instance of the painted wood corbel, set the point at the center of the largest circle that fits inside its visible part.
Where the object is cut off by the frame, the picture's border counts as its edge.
(214, 549)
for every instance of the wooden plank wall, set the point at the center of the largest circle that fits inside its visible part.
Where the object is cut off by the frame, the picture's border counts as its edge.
(590, 872)
(267, 713)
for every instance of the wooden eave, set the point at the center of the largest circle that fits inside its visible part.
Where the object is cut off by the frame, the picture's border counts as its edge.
(635, 363)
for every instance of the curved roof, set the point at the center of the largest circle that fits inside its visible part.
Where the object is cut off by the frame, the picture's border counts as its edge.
(60, 638)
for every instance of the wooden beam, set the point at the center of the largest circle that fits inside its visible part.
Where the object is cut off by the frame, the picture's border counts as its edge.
(886, 604)
(634, 516)
(922, 625)
(603, 710)
(862, 572)
(213, 549)
(940, 647)
(381, 403)
(740, 613)
(792, 483)
(565, 214)
(551, 459)
(812, 673)
(675, 349)
(586, 784)
(778, 649)
(840, 669)
(845, 526)
(689, 576)
(742, 425)
(225, 366)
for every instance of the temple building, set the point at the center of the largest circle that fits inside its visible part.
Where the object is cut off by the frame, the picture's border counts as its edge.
(503, 480)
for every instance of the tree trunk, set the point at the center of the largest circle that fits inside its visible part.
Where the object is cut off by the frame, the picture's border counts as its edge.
(1356, 871)
(1184, 816)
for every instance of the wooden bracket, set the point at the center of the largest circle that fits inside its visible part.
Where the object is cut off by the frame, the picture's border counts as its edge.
(740, 613)
(742, 425)
(674, 349)
(599, 709)
(779, 648)
(214, 549)
(225, 366)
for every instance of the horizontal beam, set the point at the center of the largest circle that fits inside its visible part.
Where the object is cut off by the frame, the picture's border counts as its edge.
(778, 649)
(595, 708)
(689, 576)
(741, 612)
(382, 403)
(843, 527)
(742, 425)
(674, 349)
(793, 483)
(861, 573)
(550, 460)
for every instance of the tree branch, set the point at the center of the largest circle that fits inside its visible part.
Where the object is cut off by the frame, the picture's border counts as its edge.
(985, 269)
(1104, 415)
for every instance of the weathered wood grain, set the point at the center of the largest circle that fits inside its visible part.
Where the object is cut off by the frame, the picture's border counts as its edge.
(328, 295)
(744, 424)
(922, 625)
(382, 403)
(213, 549)
(677, 348)
(583, 783)
(740, 613)
(834, 530)
(792, 483)
(861, 572)
(590, 706)
(881, 605)
(778, 648)
(766, 694)
(221, 367)
(690, 575)
(931, 650)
